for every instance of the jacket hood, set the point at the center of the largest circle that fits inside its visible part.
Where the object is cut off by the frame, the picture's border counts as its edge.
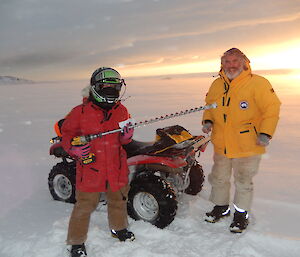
(246, 72)
(85, 92)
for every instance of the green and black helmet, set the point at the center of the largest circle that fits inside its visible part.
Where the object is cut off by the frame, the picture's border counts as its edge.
(106, 84)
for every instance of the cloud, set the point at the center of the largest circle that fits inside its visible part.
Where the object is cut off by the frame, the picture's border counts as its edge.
(36, 59)
(84, 34)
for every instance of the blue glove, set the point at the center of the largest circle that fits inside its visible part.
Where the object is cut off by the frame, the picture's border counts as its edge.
(263, 139)
(206, 127)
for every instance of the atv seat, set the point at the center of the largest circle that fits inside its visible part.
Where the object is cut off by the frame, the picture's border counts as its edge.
(138, 147)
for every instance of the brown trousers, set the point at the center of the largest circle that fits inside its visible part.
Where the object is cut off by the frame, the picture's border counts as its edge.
(243, 170)
(86, 203)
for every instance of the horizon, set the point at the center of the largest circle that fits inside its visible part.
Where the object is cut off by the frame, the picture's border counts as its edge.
(172, 75)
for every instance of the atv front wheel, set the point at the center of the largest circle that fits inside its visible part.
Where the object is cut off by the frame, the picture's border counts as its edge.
(196, 179)
(152, 199)
(61, 182)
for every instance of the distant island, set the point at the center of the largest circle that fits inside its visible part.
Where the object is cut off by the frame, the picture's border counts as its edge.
(4, 80)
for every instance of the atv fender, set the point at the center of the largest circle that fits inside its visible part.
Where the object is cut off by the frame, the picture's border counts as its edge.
(173, 162)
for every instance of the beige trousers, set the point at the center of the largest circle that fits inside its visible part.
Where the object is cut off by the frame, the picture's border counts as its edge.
(86, 203)
(243, 170)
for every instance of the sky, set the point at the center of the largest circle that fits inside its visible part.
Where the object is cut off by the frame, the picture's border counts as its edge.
(54, 40)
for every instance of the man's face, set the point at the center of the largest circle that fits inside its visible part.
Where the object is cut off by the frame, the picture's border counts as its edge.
(233, 66)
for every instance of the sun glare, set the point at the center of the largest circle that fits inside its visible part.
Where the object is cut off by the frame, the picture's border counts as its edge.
(278, 56)
(184, 68)
(285, 56)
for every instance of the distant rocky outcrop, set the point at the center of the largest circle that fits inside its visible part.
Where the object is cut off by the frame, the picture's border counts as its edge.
(4, 80)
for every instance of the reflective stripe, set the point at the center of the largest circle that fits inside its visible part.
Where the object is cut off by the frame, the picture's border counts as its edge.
(225, 212)
(241, 210)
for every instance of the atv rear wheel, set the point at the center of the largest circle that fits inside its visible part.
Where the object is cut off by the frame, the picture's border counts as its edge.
(196, 179)
(61, 182)
(152, 199)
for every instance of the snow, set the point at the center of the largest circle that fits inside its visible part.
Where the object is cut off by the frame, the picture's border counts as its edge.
(32, 224)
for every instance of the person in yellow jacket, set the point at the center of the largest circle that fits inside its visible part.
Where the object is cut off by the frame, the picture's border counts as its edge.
(242, 126)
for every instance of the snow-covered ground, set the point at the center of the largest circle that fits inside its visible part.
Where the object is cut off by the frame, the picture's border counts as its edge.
(32, 224)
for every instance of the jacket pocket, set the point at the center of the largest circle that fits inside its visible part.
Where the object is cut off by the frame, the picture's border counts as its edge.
(247, 137)
(90, 177)
(93, 169)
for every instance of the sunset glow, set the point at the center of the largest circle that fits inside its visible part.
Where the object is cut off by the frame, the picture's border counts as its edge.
(284, 56)
(270, 57)
(180, 37)
(195, 67)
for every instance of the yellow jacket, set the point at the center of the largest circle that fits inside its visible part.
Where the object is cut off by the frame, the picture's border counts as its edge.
(247, 106)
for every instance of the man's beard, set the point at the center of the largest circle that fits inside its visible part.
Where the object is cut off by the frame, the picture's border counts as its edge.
(234, 74)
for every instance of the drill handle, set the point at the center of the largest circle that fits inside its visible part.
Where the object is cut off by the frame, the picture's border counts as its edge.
(80, 140)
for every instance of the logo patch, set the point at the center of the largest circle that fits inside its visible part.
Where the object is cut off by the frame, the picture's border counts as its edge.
(244, 105)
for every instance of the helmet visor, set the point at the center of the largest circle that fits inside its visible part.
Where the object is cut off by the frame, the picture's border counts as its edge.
(100, 86)
(106, 93)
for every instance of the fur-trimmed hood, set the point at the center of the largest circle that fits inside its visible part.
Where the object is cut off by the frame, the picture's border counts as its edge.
(85, 92)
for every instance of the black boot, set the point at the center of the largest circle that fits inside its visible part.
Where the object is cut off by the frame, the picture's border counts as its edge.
(218, 212)
(240, 222)
(123, 235)
(78, 251)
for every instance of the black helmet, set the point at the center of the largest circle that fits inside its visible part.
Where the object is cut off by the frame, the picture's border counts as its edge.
(106, 84)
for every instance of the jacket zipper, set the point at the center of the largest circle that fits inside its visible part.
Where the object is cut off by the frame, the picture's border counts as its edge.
(226, 90)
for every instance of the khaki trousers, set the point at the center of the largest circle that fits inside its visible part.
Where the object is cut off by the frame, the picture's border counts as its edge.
(243, 169)
(86, 203)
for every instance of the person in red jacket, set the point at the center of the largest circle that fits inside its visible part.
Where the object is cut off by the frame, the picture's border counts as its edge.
(107, 171)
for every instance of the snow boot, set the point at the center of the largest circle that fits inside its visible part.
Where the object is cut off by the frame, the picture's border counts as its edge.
(123, 235)
(78, 251)
(240, 222)
(218, 212)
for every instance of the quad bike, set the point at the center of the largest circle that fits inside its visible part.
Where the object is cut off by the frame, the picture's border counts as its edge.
(159, 172)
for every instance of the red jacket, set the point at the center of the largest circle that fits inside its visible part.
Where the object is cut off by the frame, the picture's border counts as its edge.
(111, 160)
